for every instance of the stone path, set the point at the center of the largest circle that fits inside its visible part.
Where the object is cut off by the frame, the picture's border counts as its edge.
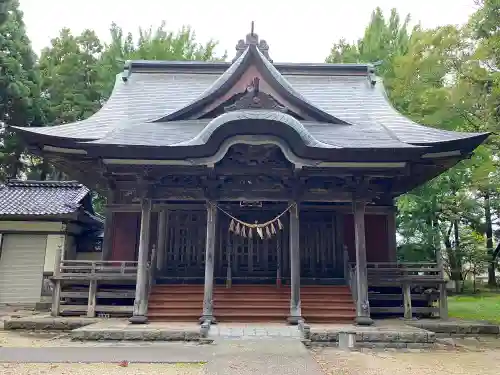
(263, 357)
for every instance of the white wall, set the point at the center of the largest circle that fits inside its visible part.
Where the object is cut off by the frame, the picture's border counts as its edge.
(54, 242)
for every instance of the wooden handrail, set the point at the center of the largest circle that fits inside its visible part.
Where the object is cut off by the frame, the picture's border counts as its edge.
(103, 262)
(94, 268)
(403, 271)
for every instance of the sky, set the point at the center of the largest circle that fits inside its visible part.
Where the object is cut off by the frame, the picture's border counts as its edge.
(296, 31)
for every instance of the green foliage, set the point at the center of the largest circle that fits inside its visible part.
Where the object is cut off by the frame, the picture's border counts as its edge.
(20, 101)
(4, 11)
(445, 77)
(382, 42)
(158, 44)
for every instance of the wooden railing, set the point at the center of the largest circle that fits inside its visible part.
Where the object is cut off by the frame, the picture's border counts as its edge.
(404, 275)
(94, 272)
(392, 272)
(88, 269)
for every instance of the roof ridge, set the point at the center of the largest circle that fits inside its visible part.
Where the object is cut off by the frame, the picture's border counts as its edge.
(45, 183)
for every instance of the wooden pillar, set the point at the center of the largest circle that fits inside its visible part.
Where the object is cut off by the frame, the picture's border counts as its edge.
(391, 232)
(295, 306)
(209, 264)
(362, 303)
(407, 300)
(161, 247)
(56, 292)
(141, 297)
(92, 299)
(107, 240)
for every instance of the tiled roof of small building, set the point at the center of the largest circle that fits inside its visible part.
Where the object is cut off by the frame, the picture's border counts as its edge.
(39, 198)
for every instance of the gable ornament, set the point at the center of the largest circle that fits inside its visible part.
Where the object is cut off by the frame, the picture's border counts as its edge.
(253, 98)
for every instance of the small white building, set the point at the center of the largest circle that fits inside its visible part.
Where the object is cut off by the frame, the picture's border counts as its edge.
(37, 218)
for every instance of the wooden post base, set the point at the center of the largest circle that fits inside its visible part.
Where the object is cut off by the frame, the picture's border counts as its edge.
(207, 319)
(294, 320)
(364, 321)
(138, 319)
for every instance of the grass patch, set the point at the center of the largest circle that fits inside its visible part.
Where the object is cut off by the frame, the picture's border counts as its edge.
(484, 306)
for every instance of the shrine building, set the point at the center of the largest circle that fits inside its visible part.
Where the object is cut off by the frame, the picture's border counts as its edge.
(250, 190)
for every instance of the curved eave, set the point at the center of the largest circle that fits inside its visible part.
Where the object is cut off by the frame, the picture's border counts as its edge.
(231, 76)
(31, 137)
(203, 151)
(465, 144)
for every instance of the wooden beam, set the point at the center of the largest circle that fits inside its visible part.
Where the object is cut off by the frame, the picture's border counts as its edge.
(208, 314)
(362, 302)
(295, 305)
(140, 302)
(400, 310)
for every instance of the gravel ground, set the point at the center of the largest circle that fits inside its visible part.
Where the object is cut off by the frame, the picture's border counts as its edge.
(449, 362)
(19, 339)
(100, 369)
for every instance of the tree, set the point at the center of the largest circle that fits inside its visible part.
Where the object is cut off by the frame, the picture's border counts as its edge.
(20, 101)
(480, 80)
(428, 75)
(158, 44)
(70, 70)
(4, 11)
(382, 42)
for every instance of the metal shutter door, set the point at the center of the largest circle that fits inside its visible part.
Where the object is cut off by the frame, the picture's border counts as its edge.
(21, 268)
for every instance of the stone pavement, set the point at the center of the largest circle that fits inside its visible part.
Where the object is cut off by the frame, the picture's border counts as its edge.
(264, 357)
(253, 331)
(121, 329)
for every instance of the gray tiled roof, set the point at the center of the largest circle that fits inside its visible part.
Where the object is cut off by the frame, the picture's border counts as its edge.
(38, 198)
(154, 93)
(184, 132)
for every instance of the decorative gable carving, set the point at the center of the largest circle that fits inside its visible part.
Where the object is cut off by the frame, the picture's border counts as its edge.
(243, 156)
(253, 98)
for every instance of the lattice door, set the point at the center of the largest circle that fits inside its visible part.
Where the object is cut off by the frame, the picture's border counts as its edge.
(185, 255)
(319, 252)
(251, 258)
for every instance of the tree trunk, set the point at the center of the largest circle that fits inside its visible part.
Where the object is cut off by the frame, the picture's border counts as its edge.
(44, 172)
(452, 259)
(489, 241)
(458, 258)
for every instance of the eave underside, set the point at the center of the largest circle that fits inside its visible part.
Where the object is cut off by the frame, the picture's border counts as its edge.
(235, 182)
